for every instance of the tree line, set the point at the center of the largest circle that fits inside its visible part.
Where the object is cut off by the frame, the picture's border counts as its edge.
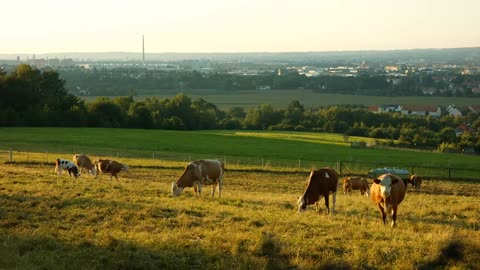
(30, 97)
(141, 81)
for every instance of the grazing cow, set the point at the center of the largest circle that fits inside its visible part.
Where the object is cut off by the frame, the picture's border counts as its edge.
(320, 183)
(416, 181)
(387, 192)
(66, 165)
(198, 173)
(356, 183)
(109, 166)
(83, 162)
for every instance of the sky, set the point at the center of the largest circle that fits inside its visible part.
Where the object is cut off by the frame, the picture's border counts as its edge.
(208, 26)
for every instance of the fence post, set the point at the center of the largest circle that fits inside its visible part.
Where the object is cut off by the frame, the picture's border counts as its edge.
(262, 163)
(11, 155)
(339, 166)
(299, 164)
(153, 155)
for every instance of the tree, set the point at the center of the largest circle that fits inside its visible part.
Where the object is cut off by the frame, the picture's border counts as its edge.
(448, 135)
(104, 113)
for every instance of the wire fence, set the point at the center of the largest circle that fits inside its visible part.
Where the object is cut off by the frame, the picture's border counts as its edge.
(170, 159)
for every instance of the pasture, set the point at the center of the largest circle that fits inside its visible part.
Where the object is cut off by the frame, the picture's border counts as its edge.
(238, 148)
(54, 222)
(280, 99)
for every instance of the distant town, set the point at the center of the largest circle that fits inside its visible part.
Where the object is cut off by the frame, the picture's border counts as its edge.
(435, 72)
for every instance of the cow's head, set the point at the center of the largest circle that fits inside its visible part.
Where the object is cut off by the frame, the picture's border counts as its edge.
(302, 204)
(124, 168)
(74, 170)
(385, 182)
(176, 190)
(347, 185)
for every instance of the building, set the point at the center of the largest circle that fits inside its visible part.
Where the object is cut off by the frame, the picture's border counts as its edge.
(421, 110)
(452, 111)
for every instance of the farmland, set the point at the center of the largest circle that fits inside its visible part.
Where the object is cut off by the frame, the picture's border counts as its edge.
(53, 222)
(280, 99)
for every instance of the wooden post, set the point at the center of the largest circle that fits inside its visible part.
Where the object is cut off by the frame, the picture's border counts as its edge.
(299, 164)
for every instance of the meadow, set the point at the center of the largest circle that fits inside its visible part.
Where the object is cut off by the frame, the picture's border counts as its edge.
(54, 222)
(280, 99)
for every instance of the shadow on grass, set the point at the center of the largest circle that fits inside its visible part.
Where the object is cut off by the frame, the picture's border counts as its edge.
(49, 253)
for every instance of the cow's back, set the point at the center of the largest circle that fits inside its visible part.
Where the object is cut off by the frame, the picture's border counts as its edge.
(321, 182)
(398, 190)
(212, 168)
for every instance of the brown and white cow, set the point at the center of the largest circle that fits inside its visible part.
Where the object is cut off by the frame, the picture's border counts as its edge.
(66, 165)
(355, 183)
(320, 183)
(109, 166)
(416, 181)
(83, 162)
(198, 173)
(387, 192)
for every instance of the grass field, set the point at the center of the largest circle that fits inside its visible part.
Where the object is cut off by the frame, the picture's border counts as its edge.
(276, 150)
(281, 98)
(53, 222)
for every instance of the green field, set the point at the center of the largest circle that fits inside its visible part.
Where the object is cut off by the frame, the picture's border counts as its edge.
(275, 150)
(281, 98)
(54, 222)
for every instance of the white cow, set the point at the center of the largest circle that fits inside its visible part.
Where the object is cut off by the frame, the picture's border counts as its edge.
(198, 173)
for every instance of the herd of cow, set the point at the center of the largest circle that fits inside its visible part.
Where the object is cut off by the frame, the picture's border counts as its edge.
(387, 191)
(82, 162)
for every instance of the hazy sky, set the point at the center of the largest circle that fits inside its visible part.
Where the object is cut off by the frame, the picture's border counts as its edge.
(33, 26)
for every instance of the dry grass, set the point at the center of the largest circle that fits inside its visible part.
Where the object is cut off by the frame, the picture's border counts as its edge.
(52, 222)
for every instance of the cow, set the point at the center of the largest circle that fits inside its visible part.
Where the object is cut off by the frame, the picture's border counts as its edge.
(66, 165)
(198, 173)
(416, 181)
(109, 166)
(387, 192)
(83, 162)
(321, 182)
(355, 183)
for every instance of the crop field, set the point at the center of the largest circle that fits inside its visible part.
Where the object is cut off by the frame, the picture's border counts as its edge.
(280, 99)
(54, 222)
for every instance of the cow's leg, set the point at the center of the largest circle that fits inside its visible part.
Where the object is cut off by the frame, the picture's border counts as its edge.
(214, 187)
(334, 201)
(382, 213)
(199, 188)
(394, 216)
(327, 203)
(220, 184)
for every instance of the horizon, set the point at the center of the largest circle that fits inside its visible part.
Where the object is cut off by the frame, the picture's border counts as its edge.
(215, 26)
(240, 52)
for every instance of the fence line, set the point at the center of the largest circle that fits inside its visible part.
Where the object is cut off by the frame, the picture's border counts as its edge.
(249, 163)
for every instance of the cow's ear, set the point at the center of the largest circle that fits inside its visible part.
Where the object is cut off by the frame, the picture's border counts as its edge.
(394, 181)
(376, 181)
